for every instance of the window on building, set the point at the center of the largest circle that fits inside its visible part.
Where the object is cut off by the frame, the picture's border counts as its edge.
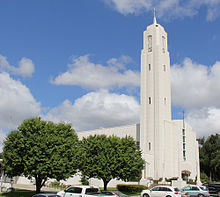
(149, 146)
(184, 155)
(184, 139)
(165, 101)
(163, 44)
(149, 66)
(150, 43)
(164, 68)
(184, 146)
(183, 131)
(149, 100)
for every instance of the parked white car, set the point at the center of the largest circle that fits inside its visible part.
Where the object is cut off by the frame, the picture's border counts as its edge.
(161, 191)
(84, 191)
(195, 191)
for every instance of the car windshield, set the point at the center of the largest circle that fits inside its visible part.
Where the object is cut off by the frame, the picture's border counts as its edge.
(203, 188)
(77, 190)
(92, 190)
(155, 189)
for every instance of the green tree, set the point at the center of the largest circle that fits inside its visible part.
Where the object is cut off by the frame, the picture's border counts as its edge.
(41, 150)
(110, 157)
(210, 156)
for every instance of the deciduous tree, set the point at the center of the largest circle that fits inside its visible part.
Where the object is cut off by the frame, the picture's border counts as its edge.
(109, 158)
(41, 150)
(210, 156)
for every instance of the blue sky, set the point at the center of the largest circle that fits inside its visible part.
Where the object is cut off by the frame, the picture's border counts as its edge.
(79, 61)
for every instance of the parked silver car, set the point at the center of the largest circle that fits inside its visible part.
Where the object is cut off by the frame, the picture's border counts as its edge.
(161, 191)
(195, 191)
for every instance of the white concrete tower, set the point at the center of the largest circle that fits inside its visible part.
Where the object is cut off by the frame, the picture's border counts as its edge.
(155, 98)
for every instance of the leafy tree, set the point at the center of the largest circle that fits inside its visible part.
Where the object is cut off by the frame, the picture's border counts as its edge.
(215, 163)
(41, 150)
(210, 156)
(110, 157)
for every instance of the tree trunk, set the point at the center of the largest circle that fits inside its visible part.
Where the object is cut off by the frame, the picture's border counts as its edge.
(105, 183)
(38, 184)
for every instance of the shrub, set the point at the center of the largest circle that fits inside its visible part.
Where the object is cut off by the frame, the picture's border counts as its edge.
(157, 181)
(171, 179)
(190, 181)
(204, 178)
(130, 188)
(84, 180)
(55, 184)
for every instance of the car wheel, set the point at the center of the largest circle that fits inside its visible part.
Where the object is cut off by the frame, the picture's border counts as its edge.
(168, 196)
(146, 195)
(200, 195)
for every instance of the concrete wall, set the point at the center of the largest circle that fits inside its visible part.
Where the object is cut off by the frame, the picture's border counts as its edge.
(121, 131)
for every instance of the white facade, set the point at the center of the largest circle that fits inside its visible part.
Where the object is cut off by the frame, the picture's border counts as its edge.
(167, 152)
(169, 147)
(121, 131)
(155, 98)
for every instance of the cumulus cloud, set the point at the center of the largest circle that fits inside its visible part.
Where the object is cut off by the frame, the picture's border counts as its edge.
(195, 85)
(25, 67)
(16, 103)
(87, 74)
(168, 8)
(96, 110)
(195, 88)
(205, 121)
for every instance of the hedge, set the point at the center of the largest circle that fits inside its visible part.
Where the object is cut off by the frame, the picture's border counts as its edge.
(131, 188)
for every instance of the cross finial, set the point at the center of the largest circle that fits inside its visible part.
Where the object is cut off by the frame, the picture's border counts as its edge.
(155, 20)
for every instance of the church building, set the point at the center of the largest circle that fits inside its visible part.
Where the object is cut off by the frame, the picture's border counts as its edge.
(169, 147)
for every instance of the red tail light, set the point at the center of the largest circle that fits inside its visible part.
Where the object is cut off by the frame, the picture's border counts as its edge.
(186, 193)
(175, 192)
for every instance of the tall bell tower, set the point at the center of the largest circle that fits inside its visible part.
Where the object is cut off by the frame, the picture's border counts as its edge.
(155, 98)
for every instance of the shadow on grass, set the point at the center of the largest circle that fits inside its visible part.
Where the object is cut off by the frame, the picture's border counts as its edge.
(18, 194)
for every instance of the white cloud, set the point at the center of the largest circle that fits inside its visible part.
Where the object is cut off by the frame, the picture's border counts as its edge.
(205, 121)
(89, 75)
(168, 8)
(16, 103)
(196, 88)
(25, 67)
(129, 6)
(96, 110)
(195, 85)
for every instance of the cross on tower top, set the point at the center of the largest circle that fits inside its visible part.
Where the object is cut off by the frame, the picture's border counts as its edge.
(155, 20)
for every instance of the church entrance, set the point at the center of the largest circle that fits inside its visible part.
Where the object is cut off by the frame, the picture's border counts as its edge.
(185, 175)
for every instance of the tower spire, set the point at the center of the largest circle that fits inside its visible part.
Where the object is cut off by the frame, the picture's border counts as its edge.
(155, 20)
